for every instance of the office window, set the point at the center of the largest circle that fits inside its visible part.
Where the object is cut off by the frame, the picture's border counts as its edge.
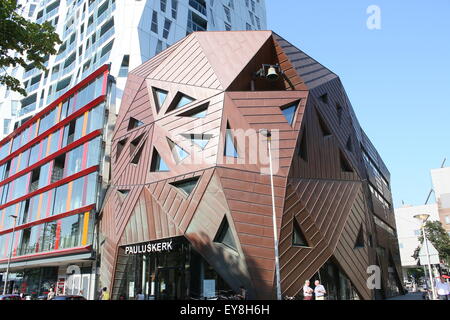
(163, 5)
(158, 47)
(225, 236)
(252, 18)
(258, 22)
(123, 72)
(227, 13)
(178, 152)
(174, 9)
(248, 27)
(154, 26)
(230, 147)
(166, 30)
(70, 233)
(158, 164)
(289, 112)
(186, 186)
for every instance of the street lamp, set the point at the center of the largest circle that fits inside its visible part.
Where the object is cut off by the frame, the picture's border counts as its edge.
(266, 133)
(423, 218)
(10, 253)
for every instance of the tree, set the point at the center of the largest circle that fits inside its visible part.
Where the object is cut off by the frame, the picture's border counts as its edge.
(22, 43)
(440, 239)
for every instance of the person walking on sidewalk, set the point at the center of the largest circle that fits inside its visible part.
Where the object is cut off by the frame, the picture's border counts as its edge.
(319, 290)
(307, 291)
(442, 289)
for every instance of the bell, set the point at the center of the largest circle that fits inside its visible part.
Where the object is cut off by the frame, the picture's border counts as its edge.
(272, 74)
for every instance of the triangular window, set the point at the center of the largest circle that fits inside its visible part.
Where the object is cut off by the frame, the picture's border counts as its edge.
(359, 243)
(289, 112)
(134, 144)
(186, 186)
(225, 236)
(197, 112)
(180, 101)
(178, 153)
(137, 156)
(158, 164)
(160, 96)
(298, 238)
(303, 151)
(345, 166)
(198, 138)
(134, 123)
(120, 146)
(323, 126)
(230, 147)
(122, 193)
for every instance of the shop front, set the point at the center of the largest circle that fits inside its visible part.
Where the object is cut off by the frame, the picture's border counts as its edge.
(168, 269)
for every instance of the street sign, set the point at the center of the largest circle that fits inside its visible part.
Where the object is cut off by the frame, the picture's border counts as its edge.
(434, 254)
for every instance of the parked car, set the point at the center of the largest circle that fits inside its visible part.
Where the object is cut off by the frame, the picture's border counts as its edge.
(10, 297)
(69, 297)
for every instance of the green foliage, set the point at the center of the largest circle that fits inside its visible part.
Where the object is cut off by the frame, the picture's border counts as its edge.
(22, 41)
(440, 239)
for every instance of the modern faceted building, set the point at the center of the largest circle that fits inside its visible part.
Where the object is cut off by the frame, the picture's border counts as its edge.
(189, 209)
(124, 33)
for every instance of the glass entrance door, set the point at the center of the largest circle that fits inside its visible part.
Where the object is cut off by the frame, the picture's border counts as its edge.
(168, 283)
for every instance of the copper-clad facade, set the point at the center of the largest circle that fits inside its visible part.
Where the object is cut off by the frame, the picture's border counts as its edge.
(331, 187)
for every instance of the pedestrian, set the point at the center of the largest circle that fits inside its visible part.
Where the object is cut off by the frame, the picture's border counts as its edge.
(105, 294)
(307, 291)
(140, 295)
(242, 293)
(442, 289)
(319, 291)
(51, 294)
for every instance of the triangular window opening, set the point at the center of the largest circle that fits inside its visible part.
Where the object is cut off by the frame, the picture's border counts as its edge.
(187, 185)
(158, 164)
(160, 96)
(123, 193)
(326, 132)
(303, 150)
(120, 147)
(178, 153)
(345, 166)
(298, 238)
(137, 156)
(180, 101)
(349, 144)
(134, 123)
(197, 112)
(324, 98)
(135, 143)
(199, 139)
(230, 147)
(359, 243)
(225, 236)
(289, 112)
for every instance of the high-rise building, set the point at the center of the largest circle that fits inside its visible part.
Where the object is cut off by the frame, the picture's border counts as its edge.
(124, 33)
(189, 209)
(54, 170)
(441, 188)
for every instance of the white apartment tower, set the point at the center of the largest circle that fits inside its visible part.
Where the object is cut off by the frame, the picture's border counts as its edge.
(124, 33)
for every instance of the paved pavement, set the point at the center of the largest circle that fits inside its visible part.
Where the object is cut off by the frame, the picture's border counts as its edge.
(409, 296)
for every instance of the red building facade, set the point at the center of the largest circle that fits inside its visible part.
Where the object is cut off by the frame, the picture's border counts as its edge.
(50, 187)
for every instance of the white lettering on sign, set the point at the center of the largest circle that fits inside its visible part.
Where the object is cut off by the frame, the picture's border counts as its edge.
(149, 247)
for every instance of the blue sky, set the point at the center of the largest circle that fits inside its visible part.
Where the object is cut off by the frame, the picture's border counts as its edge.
(397, 78)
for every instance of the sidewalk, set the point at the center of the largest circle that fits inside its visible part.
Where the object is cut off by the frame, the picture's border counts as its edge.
(408, 296)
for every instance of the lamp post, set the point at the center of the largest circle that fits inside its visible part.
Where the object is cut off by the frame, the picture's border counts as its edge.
(10, 253)
(423, 218)
(268, 135)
